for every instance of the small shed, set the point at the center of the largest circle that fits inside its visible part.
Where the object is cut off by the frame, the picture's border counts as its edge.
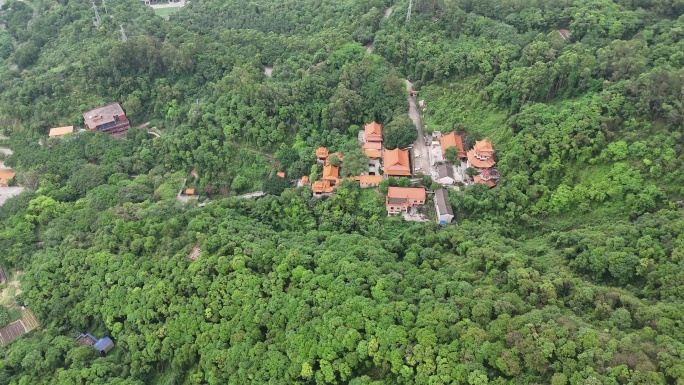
(104, 345)
(189, 191)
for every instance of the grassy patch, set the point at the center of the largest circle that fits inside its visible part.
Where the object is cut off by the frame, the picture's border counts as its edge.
(166, 12)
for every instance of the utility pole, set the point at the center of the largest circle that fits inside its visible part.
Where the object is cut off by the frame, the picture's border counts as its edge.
(123, 33)
(97, 15)
(408, 14)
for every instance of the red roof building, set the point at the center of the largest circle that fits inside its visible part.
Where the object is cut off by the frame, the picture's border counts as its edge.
(331, 173)
(281, 174)
(305, 180)
(452, 140)
(373, 132)
(321, 187)
(321, 153)
(399, 199)
(110, 119)
(482, 154)
(396, 163)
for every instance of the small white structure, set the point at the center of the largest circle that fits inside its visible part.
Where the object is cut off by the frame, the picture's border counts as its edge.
(444, 213)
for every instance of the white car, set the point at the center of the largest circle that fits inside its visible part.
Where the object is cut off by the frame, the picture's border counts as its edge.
(417, 155)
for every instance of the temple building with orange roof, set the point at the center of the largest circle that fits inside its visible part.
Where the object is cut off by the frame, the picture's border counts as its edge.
(399, 199)
(321, 154)
(305, 180)
(482, 155)
(373, 132)
(322, 187)
(452, 139)
(281, 174)
(396, 163)
(331, 173)
(488, 176)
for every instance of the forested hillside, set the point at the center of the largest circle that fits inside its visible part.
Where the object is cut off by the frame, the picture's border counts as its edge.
(570, 271)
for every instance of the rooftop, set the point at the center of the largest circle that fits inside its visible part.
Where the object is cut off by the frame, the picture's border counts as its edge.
(482, 154)
(100, 115)
(445, 170)
(369, 179)
(59, 131)
(321, 153)
(373, 154)
(6, 175)
(322, 186)
(305, 179)
(373, 132)
(331, 172)
(406, 193)
(396, 162)
(442, 202)
(478, 179)
(452, 139)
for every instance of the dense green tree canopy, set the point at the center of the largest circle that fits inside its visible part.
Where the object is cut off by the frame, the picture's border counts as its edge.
(568, 272)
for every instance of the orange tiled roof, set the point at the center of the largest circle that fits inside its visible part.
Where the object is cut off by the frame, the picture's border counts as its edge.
(373, 154)
(322, 186)
(450, 140)
(396, 162)
(373, 132)
(189, 191)
(331, 173)
(305, 179)
(406, 192)
(281, 174)
(372, 146)
(489, 183)
(5, 175)
(321, 153)
(482, 154)
(369, 179)
(59, 131)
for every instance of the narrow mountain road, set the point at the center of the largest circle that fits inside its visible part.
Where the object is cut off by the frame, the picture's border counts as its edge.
(421, 161)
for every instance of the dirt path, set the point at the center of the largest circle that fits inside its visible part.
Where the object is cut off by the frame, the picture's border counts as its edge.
(275, 162)
(268, 71)
(388, 12)
(369, 47)
(421, 162)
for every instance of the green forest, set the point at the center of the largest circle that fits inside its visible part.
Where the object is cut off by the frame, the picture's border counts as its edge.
(570, 271)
